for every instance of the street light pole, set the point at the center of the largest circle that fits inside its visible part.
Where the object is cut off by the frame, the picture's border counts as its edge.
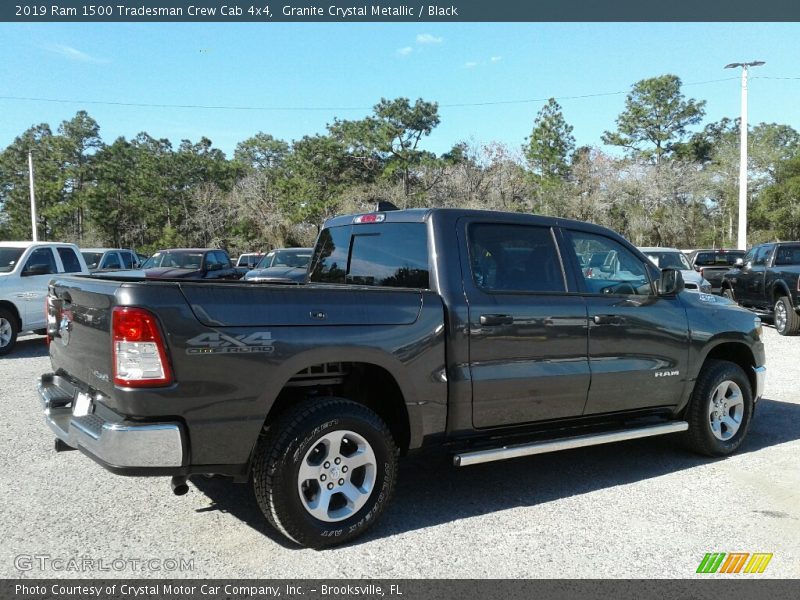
(33, 197)
(741, 238)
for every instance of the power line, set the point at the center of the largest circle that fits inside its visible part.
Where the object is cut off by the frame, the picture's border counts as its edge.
(342, 108)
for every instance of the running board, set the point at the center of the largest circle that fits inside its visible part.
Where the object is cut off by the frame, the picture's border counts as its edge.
(465, 459)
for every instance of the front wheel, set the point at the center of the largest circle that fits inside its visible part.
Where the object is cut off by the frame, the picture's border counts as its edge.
(720, 409)
(787, 321)
(325, 471)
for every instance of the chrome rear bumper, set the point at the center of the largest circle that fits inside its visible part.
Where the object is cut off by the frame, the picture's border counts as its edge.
(109, 438)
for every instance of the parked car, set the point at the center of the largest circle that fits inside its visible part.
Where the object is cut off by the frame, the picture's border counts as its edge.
(189, 263)
(767, 280)
(25, 270)
(472, 331)
(287, 265)
(713, 263)
(249, 260)
(109, 259)
(673, 258)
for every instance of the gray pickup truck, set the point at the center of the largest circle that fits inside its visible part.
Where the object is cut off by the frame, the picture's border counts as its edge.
(479, 332)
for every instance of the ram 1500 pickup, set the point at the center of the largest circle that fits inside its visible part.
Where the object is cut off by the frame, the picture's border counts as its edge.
(767, 281)
(480, 332)
(25, 270)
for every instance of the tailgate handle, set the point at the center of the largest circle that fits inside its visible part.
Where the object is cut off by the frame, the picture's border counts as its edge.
(496, 319)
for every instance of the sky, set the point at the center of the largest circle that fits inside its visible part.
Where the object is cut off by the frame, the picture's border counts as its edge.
(490, 79)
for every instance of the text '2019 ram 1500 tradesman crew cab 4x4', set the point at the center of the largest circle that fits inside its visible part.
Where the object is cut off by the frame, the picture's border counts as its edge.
(479, 331)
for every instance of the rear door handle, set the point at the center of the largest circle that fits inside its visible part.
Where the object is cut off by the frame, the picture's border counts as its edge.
(608, 320)
(496, 319)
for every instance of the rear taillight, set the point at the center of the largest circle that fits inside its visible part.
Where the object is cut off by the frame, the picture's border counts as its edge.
(52, 315)
(138, 351)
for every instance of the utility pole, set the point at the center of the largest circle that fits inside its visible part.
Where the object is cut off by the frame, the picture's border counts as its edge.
(33, 197)
(741, 240)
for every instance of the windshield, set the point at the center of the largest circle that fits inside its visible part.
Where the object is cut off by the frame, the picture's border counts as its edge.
(298, 258)
(92, 259)
(9, 257)
(669, 260)
(174, 260)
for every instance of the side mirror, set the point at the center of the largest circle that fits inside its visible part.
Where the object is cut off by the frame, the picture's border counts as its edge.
(670, 283)
(739, 262)
(40, 269)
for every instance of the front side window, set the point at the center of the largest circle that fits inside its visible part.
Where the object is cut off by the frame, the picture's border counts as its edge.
(514, 258)
(616, 270)
(41, 261)
(762, 255)
(111, 261)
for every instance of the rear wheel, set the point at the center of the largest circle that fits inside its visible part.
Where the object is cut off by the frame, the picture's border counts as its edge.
(787, 321)
(720, 409)
(8, 331)
(325, 471)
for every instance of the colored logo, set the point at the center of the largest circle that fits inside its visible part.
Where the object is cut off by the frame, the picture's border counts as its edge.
(734, 562)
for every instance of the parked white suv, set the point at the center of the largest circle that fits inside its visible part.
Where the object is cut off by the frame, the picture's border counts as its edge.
(675, 259)
(25, 271)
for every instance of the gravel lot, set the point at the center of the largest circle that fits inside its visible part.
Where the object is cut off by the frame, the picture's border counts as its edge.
(637, 509)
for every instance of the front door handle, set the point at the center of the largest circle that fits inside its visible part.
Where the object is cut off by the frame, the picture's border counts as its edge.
(496, 319)
(608, 320)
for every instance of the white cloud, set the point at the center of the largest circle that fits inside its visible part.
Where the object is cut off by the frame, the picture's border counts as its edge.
(404, 51)
(73, 54)
(496, 59)
(427, 38)
(470, 65)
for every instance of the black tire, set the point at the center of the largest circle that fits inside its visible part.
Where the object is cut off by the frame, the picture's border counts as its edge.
(9, 328)
(701, 410)
(292, 441)
(787, 321)
(728, 293)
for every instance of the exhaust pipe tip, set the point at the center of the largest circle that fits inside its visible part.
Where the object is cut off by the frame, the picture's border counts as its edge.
(179, 485)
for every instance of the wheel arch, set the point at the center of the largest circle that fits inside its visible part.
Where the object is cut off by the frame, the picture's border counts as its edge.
(779, 289)
(736, 352)
(8, 305)
(376, 380)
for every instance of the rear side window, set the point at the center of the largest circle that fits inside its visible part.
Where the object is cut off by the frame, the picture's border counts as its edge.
(788, 255)
(70, 260)
(387, 254)
(127, 259)
(514, 258)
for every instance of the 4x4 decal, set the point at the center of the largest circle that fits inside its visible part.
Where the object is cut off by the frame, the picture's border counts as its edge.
(223, 343)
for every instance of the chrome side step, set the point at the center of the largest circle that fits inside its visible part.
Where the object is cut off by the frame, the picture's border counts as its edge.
(465, 459)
